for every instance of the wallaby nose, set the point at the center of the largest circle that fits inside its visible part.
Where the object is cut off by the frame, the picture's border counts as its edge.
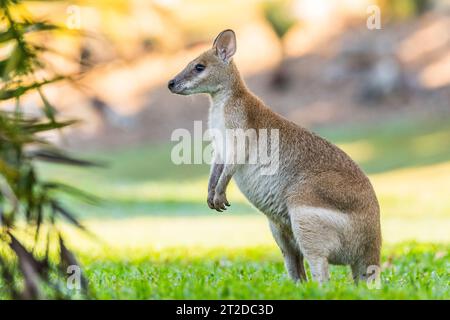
(171, 84)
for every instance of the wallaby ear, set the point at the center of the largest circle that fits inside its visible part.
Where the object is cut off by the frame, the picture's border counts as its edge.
(225, 45)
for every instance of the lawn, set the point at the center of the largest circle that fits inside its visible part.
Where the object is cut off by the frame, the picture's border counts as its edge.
(161, 241)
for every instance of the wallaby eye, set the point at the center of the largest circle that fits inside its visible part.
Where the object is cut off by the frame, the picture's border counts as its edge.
(199, 67)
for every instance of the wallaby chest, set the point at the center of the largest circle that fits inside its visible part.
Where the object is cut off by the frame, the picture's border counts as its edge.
(265, 192)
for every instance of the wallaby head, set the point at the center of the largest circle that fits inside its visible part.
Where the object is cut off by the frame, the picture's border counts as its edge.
(210, 72)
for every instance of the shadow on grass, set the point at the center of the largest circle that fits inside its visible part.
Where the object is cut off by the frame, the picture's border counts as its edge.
(388, 146)
(115, 209)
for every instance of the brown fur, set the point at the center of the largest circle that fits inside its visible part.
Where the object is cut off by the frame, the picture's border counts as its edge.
(320, 204)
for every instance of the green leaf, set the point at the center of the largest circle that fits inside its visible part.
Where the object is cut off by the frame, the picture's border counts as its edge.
(46, 126)
(75, 192)
(58, 208)
(6, 36)
(49, 110)
(21, 90)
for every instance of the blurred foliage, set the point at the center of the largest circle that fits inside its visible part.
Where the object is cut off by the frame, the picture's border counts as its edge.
(401, 9)
(27, 203)
(145, 21)
(278, 15)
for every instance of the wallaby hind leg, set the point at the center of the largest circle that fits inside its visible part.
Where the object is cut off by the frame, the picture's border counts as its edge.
(319, 268)
(358, 272)
(293, 258)
(317, 231)
(366, 271)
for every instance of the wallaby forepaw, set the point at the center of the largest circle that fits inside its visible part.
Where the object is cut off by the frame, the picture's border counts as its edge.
(220, 202)
(210, 200)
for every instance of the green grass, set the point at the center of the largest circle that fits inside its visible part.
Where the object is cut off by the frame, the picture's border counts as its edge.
(414, 271)
(161, 241)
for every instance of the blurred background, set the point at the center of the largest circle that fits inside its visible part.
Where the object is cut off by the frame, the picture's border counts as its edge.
(314, 61)
(382, 95)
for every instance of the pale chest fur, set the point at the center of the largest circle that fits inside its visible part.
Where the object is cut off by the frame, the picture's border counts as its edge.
(216, 119)
(264, 191)
(216, 125)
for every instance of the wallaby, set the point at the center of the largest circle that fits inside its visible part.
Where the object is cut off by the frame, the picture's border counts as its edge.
(319, 203)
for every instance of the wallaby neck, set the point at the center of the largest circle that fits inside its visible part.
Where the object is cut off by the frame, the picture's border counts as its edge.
(230, 90)
(220, 98)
